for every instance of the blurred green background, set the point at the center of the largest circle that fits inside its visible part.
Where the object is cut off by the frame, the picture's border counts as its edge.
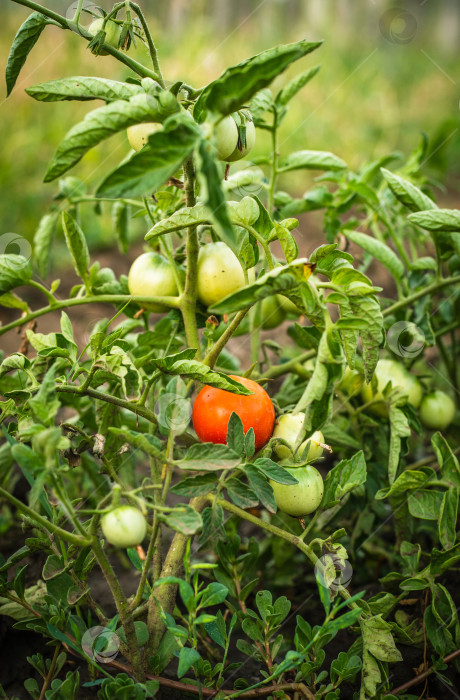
(388, 73)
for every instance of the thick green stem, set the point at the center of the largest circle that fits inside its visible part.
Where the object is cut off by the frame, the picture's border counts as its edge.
(122, 608)
(108, 398)
(170, 302)
(188, 298)
(166, 594)
(44, 522)
(278, 370)
(212, 356)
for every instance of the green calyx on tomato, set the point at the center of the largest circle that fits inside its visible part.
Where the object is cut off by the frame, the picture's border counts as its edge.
(152, 275)
(219, 273)
(112, 32)
(138, 134)
(213, 407)
(124, 526)
(290, 428)
(437, 410)
(302, 498)
(391, 371)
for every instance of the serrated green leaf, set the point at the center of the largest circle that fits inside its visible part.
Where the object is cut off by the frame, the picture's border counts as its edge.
(83, 87)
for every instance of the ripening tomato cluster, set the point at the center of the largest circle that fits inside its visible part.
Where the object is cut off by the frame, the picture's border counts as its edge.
(436, 409)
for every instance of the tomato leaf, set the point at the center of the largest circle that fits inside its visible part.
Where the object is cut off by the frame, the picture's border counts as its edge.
(238, 84)
(448, 518)
(280, 280)
(196, 485)
(15, 270)
(184, 519)
(295, 85)
(380, 251)
(312, 160)
(210, 180)
(207, 456)
(24, 41)
(241, 494)
(174, 364)
(437, 219)
(151, 167)
(83, 87)
(102, 123)
(261, 487)
(407, 193)
(43, 241)
(343, 478)
(425, 504)
(76, 243)
(274, 471)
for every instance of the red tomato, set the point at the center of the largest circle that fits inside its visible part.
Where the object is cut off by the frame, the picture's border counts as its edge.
(213, 407)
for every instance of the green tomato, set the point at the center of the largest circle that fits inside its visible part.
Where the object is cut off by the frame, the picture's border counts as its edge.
(152, 275)
(226, 135)
(437, 410)
(124, 526)
(219, 273)
(272, 312)
(351, 382)
(302, 498)
(386, 371)
(238, 153)
(138, 134)
(290, 428)
(289, 306)
(112, 33)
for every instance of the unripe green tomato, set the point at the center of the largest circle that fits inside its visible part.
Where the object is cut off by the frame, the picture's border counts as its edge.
(226, 135)
(288, 305)
(124, 526)
(250, 142)
(219, 273)
(272, 313)
(138, 134)
(437, 410)
(351, 382)
(302, 498)
(112, 33)
(152, 275)
(386, 371)
(288, 428)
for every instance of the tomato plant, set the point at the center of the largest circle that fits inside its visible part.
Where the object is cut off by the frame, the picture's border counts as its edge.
(204, 427)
